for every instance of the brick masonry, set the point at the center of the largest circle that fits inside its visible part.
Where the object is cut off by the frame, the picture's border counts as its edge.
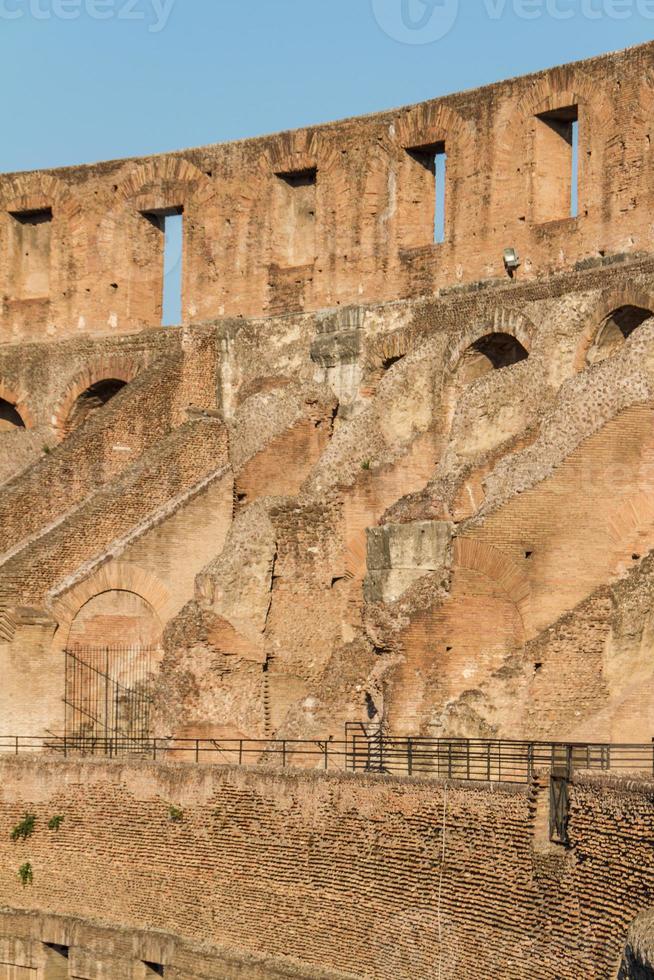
(360, 876)
(367, 469)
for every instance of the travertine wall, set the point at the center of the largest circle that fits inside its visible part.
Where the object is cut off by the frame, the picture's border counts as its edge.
(357, 876)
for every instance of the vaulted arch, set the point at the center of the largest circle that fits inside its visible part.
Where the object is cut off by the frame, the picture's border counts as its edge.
(490, 353)
(89, 390)
(613, 318)
(71, 597)
(10, 417)
(14, 412)
(502, 324)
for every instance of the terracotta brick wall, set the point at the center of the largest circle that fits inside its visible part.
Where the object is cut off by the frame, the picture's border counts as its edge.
(373, 877)
(141, 415)
(189, 454)
(363, 238)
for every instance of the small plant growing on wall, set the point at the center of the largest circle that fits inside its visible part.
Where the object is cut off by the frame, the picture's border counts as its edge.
(175, 815)
(25, 828)
(26, 874)
(54, 823)
(365, 465)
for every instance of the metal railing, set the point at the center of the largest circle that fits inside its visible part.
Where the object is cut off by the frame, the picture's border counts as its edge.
(296, 753)
(488, 760)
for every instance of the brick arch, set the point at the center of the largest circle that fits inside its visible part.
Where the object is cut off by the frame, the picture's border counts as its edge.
(565, 86)
(610, 301)
(289, 152)
(434, 122)
(502, 321)
(121, 368)
(484, 558)
(149, 183)
(31, 192)
(383, 349)
(561, 87)
(114, 576)
(299, 150)
(18, 400)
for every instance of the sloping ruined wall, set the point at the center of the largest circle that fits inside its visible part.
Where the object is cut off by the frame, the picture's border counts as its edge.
(340, 425)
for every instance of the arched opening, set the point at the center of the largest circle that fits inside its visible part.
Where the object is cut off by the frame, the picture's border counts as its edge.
(91, 400)
(112, 657)
(10, 418)
(490, 353)
(615, 329)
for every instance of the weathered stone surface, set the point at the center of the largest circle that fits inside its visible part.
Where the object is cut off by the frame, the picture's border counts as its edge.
(400, 554)
(370, 478)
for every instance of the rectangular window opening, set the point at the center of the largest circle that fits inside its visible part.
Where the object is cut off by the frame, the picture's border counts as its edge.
(294, 238)
(30, 246)
(300, 178)
(432, 159)
(574, 190)
(556, 165)
(170, 222)
(39, 217)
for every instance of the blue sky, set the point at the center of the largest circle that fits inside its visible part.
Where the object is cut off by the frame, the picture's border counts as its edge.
(156, 75)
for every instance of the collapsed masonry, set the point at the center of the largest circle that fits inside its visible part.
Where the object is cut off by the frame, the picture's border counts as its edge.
(396, 462)
(393, 471)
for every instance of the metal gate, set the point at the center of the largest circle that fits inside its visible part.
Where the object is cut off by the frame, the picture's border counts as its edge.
(560, 776)
(108, 696)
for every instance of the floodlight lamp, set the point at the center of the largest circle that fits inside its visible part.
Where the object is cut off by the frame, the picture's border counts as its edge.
(511, 259)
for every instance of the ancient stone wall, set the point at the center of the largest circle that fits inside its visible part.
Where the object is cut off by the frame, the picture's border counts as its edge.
(355, 875)
(386, 417)
(371, 476)
(339, 214)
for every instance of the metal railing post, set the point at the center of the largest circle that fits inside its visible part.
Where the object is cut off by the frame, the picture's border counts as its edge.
(240, 752)
(409, 756)
(197, 750)
(284, 754)
(326, 754)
